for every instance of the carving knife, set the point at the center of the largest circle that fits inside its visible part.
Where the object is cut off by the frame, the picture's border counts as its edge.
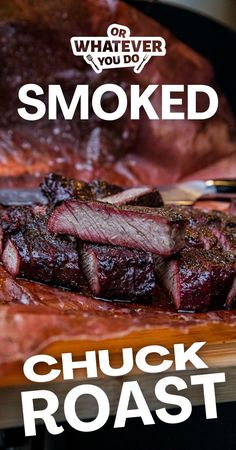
(187, 193)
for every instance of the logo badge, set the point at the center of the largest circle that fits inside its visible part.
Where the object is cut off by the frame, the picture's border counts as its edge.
(118, 49)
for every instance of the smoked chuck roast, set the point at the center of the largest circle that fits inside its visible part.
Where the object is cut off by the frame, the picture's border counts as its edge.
(90, 239)
(30, 251)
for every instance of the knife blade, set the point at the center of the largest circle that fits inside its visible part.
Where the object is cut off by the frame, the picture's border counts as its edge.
(21, 197)
(186, 193)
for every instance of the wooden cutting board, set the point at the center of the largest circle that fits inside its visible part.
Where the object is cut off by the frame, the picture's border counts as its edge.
(219, 353)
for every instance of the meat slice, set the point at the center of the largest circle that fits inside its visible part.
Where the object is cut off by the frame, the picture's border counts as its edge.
(118, 273)
(222, 268)
(156, 231)
(140, 196)
(200, 237)
(196, 218)
(197, 279)
(213, 234)
(228, 240)
(58, 189)
(208, 229)
(187, 280)
(230, 301)
(225, 231)
(33, 253)
(199, 226)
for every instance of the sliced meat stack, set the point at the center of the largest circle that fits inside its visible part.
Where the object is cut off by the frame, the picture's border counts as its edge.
(31, 251)
(121, 245)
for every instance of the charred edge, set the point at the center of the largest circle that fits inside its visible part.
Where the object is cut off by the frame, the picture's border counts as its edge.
(59, 189)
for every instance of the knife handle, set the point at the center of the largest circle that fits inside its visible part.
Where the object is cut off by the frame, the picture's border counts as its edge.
(221, 186)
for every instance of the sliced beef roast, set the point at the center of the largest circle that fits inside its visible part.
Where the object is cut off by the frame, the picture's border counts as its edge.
(31, 252)
(223, 269)
(225, 231)
(103, 246)
(187, 280)
(158, 231)
(118, 273)
(197, 279)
